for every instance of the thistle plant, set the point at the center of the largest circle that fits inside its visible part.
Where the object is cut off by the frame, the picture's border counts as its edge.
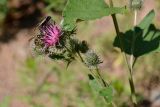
(59, 42)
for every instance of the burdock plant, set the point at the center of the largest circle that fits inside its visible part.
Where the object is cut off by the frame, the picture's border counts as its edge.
(60, 43)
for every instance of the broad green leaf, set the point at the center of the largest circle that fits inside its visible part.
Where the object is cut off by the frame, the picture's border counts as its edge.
(5, 102)
(147, 38)
(86, 10)
(56, 5)
(107, 92)
(94, 84)
(147, 20)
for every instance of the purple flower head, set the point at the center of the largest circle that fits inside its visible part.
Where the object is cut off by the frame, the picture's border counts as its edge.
(50, 31)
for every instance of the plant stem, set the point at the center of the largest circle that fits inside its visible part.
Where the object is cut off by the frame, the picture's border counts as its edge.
(105, 84)
(80, 57)
(132, 60)
(133, 42)
(130, 68)
(119, 35)
(100, 80)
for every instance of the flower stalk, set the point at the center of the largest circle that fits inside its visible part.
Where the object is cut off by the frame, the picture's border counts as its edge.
(129, 66)
(99, 79)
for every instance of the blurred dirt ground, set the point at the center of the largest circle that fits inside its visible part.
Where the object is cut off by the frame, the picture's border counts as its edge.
(15, 48)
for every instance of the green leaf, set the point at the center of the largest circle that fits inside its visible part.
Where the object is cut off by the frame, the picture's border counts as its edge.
(107, 92)
(56, 5)
(147, 20)
(86, 10)
(94, 84)
(147, 38)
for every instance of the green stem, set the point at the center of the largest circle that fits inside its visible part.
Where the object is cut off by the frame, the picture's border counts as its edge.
(100, 80)
(132, 61)
(80, 57)
(133, 42)
(105, 84)
(130, 68)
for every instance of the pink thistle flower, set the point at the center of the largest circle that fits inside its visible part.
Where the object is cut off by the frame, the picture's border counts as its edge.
(50, 31)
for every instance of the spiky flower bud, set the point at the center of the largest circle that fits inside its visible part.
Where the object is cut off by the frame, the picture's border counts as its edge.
(83, 47)
(73, 44)
(136, 4)
(91, 59)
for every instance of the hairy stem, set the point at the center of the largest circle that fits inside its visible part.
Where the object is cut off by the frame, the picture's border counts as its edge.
(130, 78)
(132, 60)
(100, 80)
(133, 42)
(105, 84)
(80, 57)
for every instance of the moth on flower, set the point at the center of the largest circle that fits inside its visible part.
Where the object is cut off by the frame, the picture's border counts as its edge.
(52, 41)
(49, 36)
(50, 32)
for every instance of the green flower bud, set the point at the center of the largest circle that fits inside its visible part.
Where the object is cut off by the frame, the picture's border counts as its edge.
(92, 60)
(136, 4)
(83, 47)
